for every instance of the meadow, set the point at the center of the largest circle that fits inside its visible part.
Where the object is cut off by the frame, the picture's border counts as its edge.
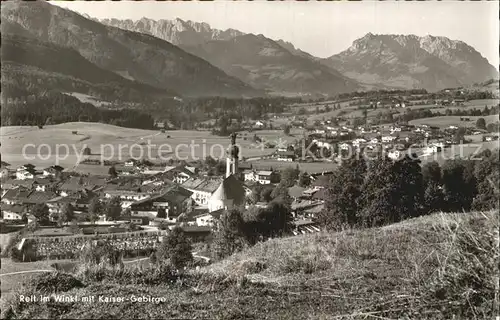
(116, 143)
(440, 266)
(446, 121)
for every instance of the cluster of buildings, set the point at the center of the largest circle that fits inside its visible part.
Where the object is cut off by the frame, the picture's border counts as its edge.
(151, 196)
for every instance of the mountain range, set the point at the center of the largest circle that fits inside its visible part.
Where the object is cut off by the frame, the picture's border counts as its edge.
(389, 61)
(191, 59)
(409, 61)
(259, 61)
(132, 55)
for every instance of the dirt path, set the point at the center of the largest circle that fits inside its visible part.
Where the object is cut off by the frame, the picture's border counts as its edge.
(27, 271)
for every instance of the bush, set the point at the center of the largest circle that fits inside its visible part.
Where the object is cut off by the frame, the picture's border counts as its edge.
(100, 252)
(177, 248)
(53, 282)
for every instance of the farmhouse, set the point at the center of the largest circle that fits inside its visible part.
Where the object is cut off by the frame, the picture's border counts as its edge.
(387, 139)
(173, 202)
(179, 174)
(285, 156)
(262, 177)
(131, 163)
(208, 218)
(202, 188)
(25, 172)
(52, 171)
(12, 212)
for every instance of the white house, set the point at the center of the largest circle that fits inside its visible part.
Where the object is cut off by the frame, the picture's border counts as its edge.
(202, 188)
(25, 174)
(323, 144)
(435, 147)
(388, 138)
(344, 146)
(358, 141)
(130, 163)
(52, 171)
(395, 154)
(250, 176)
(12, 212)
(208, 218)
(259, 124)
(265, 177)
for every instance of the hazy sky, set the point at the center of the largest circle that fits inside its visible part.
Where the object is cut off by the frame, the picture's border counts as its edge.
(323, 28)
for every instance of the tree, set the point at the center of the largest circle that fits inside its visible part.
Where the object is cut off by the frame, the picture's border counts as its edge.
(289, 176)
(481, 124)
(231, 235)
(87, 151)
(41, 213)
(344, 191)
(459, 135)
(275, 220)
(459, 184)
(177, 248)
(433, 198)
(286, 130)
(431, 173)
(113, 209)
(365, 115)
(66, 214)
(100, 252)
(280, 192)
(95, 209)
(112, 172)
(392, 191)
(304, 180)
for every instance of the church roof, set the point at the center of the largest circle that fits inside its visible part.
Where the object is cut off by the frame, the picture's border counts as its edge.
(230, 189)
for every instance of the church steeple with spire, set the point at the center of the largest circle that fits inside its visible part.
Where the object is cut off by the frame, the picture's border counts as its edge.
(232, 157)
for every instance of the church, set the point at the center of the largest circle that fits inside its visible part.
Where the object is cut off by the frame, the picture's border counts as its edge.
(230, 193)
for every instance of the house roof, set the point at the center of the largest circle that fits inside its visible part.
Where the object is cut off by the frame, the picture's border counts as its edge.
(264, 173)
(40, 197)
(316, 209)
(203, 184)
(16, 194)
(173, 194)
(12, 183)
(43, 181)
(4, 164)
(296, 191)
(321, 181)
(230, 189)
(299, 223)
(322, 194)
(16, 208)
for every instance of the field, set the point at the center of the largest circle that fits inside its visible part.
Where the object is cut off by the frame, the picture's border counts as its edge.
(354, 111)
(57, 144)
(446, 121)
(441, 266)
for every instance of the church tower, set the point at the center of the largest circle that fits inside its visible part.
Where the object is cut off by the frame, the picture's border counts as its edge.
(232, 157)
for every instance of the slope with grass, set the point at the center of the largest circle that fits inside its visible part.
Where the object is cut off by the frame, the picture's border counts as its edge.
(433, 267)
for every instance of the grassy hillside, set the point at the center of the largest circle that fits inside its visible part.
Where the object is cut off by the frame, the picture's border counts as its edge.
(434, 267)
